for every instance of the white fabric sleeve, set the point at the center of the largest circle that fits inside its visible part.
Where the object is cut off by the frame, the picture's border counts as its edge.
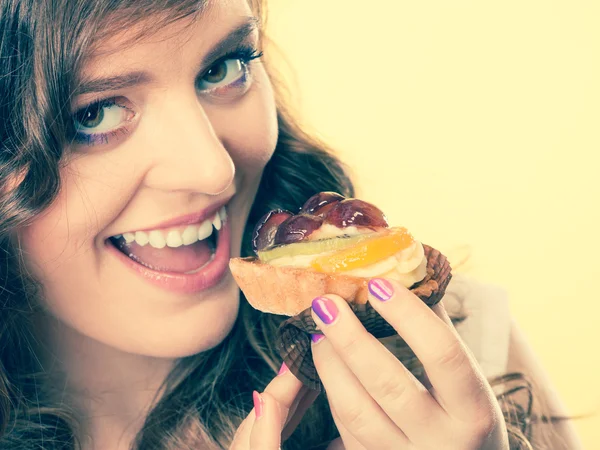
(486, 329)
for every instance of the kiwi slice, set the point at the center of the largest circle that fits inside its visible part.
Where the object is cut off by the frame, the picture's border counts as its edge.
(312, 247)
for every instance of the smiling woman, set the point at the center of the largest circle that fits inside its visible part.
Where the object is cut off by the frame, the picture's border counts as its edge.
(140, 144)
(120, 214)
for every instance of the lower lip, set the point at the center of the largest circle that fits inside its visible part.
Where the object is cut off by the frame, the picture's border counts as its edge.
(182, 283)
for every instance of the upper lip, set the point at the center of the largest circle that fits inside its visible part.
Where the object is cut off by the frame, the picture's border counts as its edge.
(189, 219)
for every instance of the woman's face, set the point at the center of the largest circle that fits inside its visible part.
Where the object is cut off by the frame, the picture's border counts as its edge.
(181, 125)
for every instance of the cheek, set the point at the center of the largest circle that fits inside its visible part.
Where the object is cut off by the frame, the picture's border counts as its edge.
(54, 237)
(55, 255)
(61, 241)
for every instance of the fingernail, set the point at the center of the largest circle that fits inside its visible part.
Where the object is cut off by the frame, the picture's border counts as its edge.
(381, 289)
(284, 369)
(316, 337)
(325, 309)
(258, 404)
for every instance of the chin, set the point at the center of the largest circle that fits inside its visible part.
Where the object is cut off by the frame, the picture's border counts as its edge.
(187, 331)
(200, 328)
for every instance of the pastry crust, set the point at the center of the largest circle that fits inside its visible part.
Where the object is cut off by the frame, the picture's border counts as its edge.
(288, 290)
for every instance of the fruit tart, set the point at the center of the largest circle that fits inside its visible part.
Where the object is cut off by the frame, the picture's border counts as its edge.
(333, 245)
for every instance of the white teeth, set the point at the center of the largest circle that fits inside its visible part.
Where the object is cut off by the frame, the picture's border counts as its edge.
(217, 221)
(157, 240)
(141, 238)
(205, 230)
(177, 237)
(190, 235)
(174, 239)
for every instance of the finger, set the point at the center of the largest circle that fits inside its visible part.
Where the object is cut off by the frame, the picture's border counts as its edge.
(440, 311)
(356, 409)
(403, 398)
(349, 441)
(266, 430)
(284, 388)
(242, 434)
(460, 387)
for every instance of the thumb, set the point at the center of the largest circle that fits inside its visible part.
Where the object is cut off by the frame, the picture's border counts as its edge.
(274, 403)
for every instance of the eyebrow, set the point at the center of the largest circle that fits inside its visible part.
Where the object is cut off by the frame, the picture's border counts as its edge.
(130, 79)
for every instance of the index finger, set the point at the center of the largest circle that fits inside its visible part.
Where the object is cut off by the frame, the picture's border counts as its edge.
(284, 388)
(460, 387)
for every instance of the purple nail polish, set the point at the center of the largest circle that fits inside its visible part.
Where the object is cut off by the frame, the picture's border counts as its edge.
(381, 289)
(316, 337)
(325, 309)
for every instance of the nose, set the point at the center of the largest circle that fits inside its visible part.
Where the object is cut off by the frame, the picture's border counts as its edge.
(186, 151)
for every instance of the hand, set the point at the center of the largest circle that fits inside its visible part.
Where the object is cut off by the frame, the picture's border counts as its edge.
(378, 404)
(277, 411)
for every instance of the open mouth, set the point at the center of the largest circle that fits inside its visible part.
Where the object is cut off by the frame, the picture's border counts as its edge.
(176, 250)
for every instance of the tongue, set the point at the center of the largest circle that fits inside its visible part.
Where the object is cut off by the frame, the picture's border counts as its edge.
(182, 259)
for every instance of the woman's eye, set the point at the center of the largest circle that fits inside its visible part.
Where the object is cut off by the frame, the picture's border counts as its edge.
(223, 73)
(101, 117)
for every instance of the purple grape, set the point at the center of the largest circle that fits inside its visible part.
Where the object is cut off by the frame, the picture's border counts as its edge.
(297, 228)
(320, 203)
(266, 228)
(354, 212)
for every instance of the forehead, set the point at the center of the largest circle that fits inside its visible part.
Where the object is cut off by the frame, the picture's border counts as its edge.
(143, 44)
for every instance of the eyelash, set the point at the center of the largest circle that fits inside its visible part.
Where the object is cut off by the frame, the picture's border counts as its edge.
(245, 54)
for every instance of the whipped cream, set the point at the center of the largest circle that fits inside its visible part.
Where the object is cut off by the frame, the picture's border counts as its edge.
(408, 266)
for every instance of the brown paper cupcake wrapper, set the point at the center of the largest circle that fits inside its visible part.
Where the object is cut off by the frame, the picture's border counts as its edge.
(294, 342)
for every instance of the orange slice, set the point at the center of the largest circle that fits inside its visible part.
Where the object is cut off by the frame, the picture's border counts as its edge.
(364, 253)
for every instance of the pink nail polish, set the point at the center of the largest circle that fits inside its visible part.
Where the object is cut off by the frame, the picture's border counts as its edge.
(284, 369)
(258, 404)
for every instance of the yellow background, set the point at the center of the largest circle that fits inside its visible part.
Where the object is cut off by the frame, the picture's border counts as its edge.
(474, 123)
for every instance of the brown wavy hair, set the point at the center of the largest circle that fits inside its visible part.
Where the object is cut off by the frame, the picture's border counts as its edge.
(42, 46)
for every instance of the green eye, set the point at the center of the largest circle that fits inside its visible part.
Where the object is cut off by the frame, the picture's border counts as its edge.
(102, 116)
(90, 117)
(223, 73)
(217, 73)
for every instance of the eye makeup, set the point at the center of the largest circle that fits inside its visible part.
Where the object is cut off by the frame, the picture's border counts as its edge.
(100, 138)
(244, 54)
